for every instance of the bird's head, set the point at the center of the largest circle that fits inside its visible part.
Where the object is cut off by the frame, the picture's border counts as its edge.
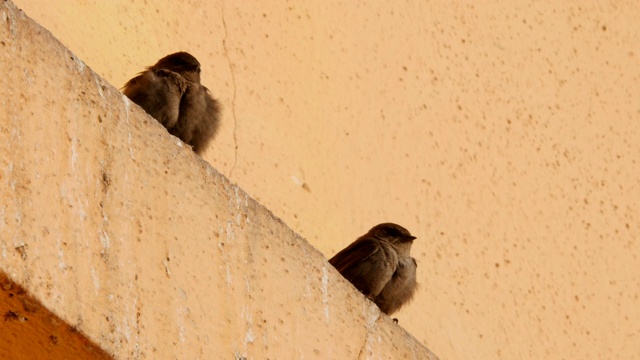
(182, 63)
(392, 233)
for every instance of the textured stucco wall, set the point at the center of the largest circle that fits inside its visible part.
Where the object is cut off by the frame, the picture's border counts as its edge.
(130, 239)
(504, 135)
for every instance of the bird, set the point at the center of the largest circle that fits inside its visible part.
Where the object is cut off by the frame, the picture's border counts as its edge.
(171, 92)
(380, 266)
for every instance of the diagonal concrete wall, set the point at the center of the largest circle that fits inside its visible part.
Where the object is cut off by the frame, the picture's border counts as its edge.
(130, 238)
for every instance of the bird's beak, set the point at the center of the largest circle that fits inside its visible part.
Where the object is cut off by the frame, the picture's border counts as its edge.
(411, 238)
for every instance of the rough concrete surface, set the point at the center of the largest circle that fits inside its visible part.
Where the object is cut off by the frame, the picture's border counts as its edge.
(139, 245)
(503, 134)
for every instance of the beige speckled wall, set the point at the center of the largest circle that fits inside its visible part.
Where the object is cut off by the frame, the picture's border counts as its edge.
(505, 135)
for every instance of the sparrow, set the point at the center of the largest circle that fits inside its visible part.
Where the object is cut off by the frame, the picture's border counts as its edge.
(378, 264)
(171, 92)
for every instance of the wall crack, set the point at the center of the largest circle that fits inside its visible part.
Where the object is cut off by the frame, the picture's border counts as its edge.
(233, 99)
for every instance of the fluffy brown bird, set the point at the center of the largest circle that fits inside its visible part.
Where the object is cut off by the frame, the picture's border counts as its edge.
(379, 265)
(171, 92)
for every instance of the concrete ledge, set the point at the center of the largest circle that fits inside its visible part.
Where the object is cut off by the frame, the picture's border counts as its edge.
(131, 239)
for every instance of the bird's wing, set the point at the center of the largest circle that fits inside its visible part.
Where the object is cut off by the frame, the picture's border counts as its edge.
(158, 92)
(353, 254)
(207, 128)
(368, 264)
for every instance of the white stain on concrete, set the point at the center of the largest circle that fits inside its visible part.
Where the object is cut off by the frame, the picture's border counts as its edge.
(247, 315)
(131, 323)
(325, 292)
(125, 329)
(10, 22)
(296, 180)
(127, 104)
(99, 86)
(250, 337)
(167, 270)
(96, 280)
(79, 63)
(236, 191)
(229, 278)
(182, 313)
(30, 79)
(130, 142)
(371, 315)
(231, 234)
(61, 264)
(74, 152)
(3, 219)
(18, 214)
(104, 241)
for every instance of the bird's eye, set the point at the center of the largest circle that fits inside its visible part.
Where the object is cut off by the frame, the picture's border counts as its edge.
(393, 232)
